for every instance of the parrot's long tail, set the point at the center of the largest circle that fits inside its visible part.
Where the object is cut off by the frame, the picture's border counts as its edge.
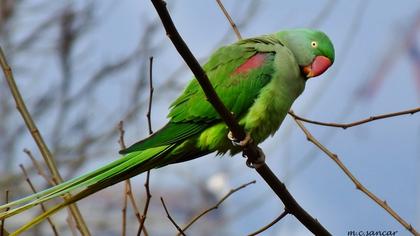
(128, 166)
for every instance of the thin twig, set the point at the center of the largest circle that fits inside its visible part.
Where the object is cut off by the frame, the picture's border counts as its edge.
(128, 193)
(149, 122)
(36, 135)
(170, 218)
(134, 204)
(38, 167)
(121, 130)
(215, 206)
(146, 204)
(124, 212)
(2, 230)
(285, 212)
(151, 89)
(231, 22)
(359, 186)
(356, 123)
(251, 151)
(43, 208)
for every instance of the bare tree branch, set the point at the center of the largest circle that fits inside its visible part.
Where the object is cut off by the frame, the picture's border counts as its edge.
(356, 123)
(170, 218)
(151, 89)
(231, 22)
(359, 186)
(278, 218)
(215, 206)
(146, 204)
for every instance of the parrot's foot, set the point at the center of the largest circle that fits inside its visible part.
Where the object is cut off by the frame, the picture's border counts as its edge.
(241, 143)
(258, 162)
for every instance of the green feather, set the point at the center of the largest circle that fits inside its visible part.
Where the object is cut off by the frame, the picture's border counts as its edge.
(171, 133)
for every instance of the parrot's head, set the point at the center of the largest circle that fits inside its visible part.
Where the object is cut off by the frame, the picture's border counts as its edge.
(312, 49)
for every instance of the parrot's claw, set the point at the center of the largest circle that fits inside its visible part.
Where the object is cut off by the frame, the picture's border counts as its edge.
(257, 163)
(238, 143)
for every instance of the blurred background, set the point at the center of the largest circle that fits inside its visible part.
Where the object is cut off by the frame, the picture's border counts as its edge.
(83, 66)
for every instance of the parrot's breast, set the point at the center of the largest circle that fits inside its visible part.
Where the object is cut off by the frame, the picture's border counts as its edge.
(275, 100)
(267, 113)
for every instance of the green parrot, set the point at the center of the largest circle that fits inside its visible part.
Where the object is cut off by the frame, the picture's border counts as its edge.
(258, 79)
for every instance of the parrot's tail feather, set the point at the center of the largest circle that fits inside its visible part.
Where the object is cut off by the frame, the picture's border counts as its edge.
(56, 208)
(39, 219)
(87, 182)
(58, 187)
(57, 190)
(61, 186)
(118, 177)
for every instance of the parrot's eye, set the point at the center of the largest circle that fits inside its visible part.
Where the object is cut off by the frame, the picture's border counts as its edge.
(314, 44)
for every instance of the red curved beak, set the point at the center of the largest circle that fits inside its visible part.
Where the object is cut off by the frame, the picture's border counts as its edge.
(318, 66)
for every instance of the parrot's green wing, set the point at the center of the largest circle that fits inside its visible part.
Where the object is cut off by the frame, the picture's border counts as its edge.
(237, 72)
(169, 134)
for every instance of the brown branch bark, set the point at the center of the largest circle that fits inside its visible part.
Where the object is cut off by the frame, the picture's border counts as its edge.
(36, 135)
(356, 123)
(251, 151)
(356, 182)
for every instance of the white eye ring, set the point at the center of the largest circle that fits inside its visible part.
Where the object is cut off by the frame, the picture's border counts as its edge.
(314, 44)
